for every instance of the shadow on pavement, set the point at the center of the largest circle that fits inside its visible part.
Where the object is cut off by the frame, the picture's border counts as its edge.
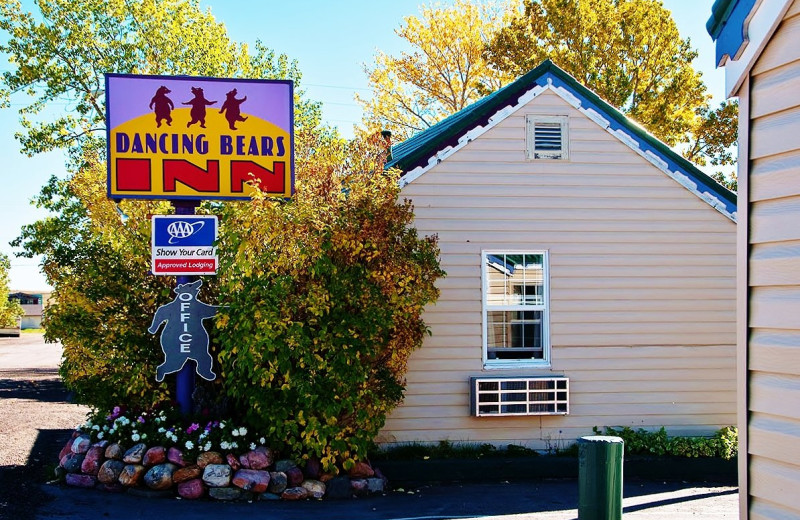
(677, 500)
(21, 492)
(30, 385)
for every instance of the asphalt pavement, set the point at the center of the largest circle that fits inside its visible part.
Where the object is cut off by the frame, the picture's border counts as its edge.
(35, 420)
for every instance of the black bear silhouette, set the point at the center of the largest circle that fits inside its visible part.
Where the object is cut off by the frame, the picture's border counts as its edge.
(163, 105)
(184, 336)
(231, 105)
(198, 111)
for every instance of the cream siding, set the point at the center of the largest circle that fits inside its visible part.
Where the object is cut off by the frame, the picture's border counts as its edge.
(773, 347)
(642, 288)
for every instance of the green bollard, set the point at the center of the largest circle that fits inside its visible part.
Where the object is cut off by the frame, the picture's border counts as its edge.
(600, 477)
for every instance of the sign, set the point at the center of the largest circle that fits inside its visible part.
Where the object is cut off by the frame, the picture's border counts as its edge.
(184, 244)
(198, 138)
(184, 337)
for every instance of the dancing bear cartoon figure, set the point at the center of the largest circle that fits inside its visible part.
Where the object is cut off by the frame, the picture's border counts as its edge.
(231, 105)
(162, 106)
(184, 336)
(199, 103)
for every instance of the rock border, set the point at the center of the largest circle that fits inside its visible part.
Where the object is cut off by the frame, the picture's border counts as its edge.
(158, 471)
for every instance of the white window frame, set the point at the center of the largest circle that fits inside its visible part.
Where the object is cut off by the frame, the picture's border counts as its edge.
(491, 364)
(530, 138)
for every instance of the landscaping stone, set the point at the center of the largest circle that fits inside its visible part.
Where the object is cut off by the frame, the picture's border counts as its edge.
(225, 493)
(84, 481)
(268, 497)
(93, 460)
(209, 457)
(154, 456)
(315, 488)
(72, 462)
(187, 473)
(217, 475)
(66, 449)
(135, 454)
(160, 476)
(313, 469)
(359, 487)
(295, 493)
(175, 456)
(233, 462)
(114, 451)
(277, 482)
(294, 477)
(361, 470)
(339, 487)
(101, 444)
(110, 471)
(81, 444)
(285, 465)
(325, 477)
(253, 480)
(131, 475)
(192, 489)
(375, 485)
(60, 473)
(259, 458)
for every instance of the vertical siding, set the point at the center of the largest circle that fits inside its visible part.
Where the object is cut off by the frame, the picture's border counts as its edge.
(642, 288)
(774, 276)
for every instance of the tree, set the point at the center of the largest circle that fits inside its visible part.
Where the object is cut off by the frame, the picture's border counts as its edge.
(445, 71)
(10, 310)
(95, 253)
(627, 51)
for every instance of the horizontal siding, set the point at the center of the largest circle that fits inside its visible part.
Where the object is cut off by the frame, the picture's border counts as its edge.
(642, 288)
(774, 277)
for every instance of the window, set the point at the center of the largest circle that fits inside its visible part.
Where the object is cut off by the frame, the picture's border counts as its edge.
(515, 309)
(547, 137)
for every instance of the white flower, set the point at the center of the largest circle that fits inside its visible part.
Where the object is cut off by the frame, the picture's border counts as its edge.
(105, 428)
(96, 428)
(224, 445)
(234, 445)
(189, 445)
(222, 425)
(100, 435)
(162, 430)
(207, 446)
(203, 435)
(235, 433)
(262, 440)
(112, 431)
(252, 445)
(144, 436)
(242, 431)
(135, 437)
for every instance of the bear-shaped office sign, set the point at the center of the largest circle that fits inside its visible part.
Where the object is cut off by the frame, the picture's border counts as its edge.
(184, 336)
(162, 106)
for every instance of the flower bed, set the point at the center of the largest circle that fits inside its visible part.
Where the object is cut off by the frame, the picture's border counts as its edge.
(145, 455)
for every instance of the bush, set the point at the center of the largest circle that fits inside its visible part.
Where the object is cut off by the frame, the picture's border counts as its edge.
(723, 444)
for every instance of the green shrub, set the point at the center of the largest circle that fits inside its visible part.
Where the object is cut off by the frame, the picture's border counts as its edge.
(723, 444)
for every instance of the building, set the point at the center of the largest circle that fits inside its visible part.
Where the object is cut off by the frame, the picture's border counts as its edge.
(758, 43)
(590, 275)
(33, 303)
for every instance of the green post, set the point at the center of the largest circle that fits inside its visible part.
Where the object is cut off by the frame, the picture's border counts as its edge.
(600, 478)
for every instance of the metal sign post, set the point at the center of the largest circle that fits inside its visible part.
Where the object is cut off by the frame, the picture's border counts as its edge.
(185, 379)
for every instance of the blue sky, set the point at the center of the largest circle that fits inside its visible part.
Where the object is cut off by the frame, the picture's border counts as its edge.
(331, 42)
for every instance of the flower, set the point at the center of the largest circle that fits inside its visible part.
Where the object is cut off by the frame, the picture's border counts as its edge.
(189, 445)
(140, 419)
(135, 437)
(192, 428)
(100, 435)
(252, 445)
(262, 440)
(242, 431)
(207, 446)
(225, 445)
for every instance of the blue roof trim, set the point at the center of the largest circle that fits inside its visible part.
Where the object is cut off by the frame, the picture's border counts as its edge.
(726, 27)
(675, 163)
(413, 155)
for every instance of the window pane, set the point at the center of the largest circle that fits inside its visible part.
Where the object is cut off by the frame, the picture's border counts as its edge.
(514, 279)
(515, 335)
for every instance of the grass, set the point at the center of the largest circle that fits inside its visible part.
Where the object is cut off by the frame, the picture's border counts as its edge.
(33, 331)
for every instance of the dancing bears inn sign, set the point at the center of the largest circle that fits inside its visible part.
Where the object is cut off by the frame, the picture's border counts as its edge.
(198, 138)
(189, 138)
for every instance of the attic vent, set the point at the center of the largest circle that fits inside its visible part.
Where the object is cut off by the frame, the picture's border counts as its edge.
(547, 137)
(509, 396)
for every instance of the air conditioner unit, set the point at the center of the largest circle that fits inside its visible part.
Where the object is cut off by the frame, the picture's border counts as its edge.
(511, 396)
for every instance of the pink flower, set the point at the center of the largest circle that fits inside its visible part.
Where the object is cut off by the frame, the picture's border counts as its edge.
(192, 428)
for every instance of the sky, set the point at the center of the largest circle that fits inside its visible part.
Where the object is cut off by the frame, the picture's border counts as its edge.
(331, 41)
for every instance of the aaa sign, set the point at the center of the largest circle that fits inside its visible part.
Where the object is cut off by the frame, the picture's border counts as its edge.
(198, 138)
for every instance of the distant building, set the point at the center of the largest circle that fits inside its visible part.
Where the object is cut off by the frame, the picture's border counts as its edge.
(33, 303)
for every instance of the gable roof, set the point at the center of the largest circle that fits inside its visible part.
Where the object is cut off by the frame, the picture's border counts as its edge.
(424, 150)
